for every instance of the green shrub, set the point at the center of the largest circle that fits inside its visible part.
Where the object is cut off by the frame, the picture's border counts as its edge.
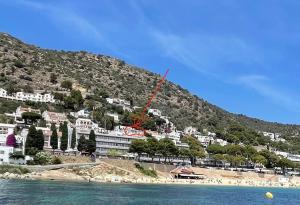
(147, 172)
(17, 155)
(42, 158)
(13, 169)
(56, 160)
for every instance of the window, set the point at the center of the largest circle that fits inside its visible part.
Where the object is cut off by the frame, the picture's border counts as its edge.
(2, 152)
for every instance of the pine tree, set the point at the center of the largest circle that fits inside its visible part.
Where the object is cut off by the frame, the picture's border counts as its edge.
(40, 140)
(54, 139)
(31, 139)
(73, 140)
(81, 144)
(64, 137)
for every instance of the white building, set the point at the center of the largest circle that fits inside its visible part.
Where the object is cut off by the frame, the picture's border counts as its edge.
(22, 96)
(205, 140)
(155, 112)
(5, 153)
(190, 130)
(81, 113)
(3, 93)
(275, 137)
(125, 104)
(107, 140)
(182, 145)
(114, 115)
(211, 134)
(175, 136)
(292, 157)
(83, 123)
(35, 97)
(221, 142)
(5, 130)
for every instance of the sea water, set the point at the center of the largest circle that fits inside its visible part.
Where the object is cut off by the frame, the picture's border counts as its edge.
(72, 193)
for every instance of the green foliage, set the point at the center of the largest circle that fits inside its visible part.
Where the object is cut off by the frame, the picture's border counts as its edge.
(113, 153)
(13, 169)
(151, 146)
(56, 160)
(285, 163)
(147, 172)
(272, 158)
(184, 152)
(126, 119)
(215, 149)
(66, 84)
(31, 151)
(42, 158)
(196, 149)
(91, 143)
(64, 137)
(237, 133)
(259, 159)
(19, 64)
(31, 140)
(137, 146)
(40, 140)
(53, 78)
(235, 160)
(3, 118)
(166, 148)
(218, 157)
(31, 116)
(81, 144)
(54, 137)
(73, 140)
(16, 155)
(74, 101)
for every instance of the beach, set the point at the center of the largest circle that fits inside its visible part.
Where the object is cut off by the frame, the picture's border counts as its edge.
(124, 171)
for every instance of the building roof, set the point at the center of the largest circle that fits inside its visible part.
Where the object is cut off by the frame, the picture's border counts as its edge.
(182, 170)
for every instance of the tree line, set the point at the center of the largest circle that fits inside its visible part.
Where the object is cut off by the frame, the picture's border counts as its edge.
(237, 155)
(165, 148)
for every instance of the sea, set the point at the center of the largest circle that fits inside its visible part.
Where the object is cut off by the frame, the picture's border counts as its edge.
(15, 192)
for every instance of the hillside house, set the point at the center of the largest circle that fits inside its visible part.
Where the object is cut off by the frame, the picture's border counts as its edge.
(125, 104)
(190, 130)
(155, 112)
(19, 111)
(84, 113)
(22, 96)
(54, 117)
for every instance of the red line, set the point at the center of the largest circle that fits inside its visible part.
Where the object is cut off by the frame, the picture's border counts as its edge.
(137, 123)
(154, 94)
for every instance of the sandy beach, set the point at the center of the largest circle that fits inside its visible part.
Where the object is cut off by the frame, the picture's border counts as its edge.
(123, 171)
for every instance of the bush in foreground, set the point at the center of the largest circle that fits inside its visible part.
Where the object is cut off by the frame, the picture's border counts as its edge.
(147, 172)
(56, 160)
(13, 169)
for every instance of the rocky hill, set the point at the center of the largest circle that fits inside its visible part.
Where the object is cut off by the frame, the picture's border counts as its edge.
(28, 67)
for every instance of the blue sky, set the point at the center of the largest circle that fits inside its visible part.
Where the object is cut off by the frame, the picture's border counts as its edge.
(240, 55)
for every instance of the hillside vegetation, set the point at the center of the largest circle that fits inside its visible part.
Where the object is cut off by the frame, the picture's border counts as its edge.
(29, 68)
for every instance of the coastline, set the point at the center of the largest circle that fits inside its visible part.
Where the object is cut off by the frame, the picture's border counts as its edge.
(145, 181)
(125, 172)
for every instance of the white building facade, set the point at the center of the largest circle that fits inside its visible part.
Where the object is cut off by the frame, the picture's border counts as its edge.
(22, 96)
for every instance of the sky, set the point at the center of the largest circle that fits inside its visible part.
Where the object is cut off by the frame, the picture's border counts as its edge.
(242, 56)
